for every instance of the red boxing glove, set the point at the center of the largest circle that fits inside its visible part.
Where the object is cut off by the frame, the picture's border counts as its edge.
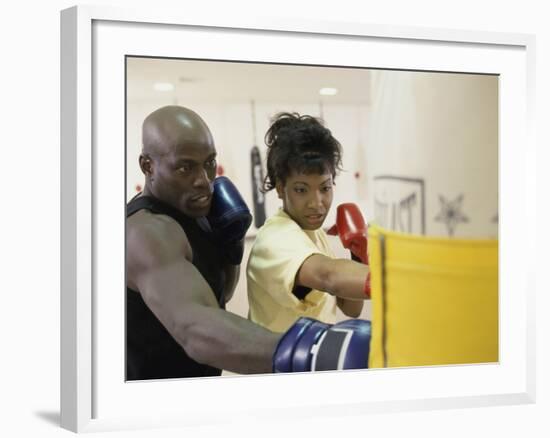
(352, 230)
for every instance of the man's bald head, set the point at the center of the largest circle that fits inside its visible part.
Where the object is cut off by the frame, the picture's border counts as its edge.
(173, 126)
(178, 159)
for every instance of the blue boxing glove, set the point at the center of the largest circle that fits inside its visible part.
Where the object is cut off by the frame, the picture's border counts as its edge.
(344, 346)
(293, 351)
(229, 219)
(311, 345)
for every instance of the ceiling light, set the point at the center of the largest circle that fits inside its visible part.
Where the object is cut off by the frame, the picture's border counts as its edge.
(163, 86)
(328, 91)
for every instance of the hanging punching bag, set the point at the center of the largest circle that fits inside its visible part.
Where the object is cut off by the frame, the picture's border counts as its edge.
(257, 180)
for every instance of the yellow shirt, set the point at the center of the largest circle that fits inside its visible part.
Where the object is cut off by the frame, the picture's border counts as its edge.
(280, 249)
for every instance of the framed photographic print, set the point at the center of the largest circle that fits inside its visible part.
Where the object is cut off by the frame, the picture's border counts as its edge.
(435, 128)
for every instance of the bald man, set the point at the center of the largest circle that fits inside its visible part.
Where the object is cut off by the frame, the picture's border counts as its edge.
(179, 275)
(177, 278)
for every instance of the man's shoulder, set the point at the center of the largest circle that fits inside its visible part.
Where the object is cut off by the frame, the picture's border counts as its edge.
(154, 234)
(150, 225)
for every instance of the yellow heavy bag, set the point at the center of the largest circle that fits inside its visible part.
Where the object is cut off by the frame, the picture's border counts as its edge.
(434, 300)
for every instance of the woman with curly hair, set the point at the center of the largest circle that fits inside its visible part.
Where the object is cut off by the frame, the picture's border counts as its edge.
(291, 271)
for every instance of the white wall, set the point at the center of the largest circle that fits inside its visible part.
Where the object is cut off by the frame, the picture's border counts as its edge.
(441, 129)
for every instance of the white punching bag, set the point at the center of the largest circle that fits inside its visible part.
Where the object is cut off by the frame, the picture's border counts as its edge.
(432, 153)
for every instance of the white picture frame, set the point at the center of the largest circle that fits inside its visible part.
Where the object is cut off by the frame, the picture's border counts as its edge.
(92, 396)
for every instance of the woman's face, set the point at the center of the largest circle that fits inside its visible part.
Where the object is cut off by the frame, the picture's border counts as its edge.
(307, 198)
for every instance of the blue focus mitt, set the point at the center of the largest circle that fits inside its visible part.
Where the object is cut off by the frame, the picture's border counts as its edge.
(310, 345)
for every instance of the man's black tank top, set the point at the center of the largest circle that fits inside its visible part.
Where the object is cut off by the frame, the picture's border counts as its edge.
(151, 352)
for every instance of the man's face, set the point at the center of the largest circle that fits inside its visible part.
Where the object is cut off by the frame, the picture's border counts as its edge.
(183, 177)
(307, 198)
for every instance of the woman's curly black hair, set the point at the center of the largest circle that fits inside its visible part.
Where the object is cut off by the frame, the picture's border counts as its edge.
(299, 143)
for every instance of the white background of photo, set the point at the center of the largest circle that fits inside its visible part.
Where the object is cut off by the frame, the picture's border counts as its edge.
(30, 241)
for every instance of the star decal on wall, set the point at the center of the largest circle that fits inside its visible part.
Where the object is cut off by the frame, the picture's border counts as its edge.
(450, 213)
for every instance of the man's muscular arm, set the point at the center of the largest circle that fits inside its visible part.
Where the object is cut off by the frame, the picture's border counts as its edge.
(159, 265)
